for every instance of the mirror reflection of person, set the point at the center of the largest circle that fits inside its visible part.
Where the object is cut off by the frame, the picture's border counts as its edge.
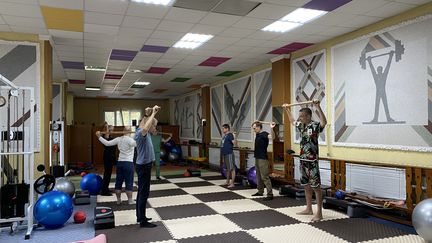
(309, 166)
(380, 78)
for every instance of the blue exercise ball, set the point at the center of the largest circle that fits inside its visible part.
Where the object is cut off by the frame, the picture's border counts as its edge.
(91, 183)
(173, 157)
(340, 194)
(252, 177)
(53, 209)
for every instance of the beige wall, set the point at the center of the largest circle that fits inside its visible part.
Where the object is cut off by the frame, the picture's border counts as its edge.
(88, 111)
(393, 157)
(40, 156)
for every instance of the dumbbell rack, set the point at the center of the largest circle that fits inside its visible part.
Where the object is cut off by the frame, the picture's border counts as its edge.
(26, 154)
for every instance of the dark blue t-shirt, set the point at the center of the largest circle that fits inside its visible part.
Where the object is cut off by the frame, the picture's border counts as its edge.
(261, 144)
(227, 144)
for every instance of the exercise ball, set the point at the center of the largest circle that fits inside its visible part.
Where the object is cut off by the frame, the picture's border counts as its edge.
(64, 185)
(175, 150)
(80, 217)
(172, 157)
(340, 194)
(92, 183)
(252, 177)
(53, 209)
(422, 219)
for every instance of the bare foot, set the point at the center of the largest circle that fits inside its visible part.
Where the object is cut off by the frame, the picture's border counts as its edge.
(305, 212)
(230, 186)
(316, 218)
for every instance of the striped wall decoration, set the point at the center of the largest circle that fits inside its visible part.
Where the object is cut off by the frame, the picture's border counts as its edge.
(20, 63)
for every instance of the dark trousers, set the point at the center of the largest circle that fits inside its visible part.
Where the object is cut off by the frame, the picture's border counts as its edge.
(108, 164)
(144, 175)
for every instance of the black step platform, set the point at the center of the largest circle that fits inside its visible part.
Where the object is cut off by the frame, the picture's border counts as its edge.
(292, 191)
(352, 209)
(82, 198)
(103, 218)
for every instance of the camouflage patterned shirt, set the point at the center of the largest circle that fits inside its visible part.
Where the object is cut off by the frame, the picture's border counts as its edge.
(309, 139)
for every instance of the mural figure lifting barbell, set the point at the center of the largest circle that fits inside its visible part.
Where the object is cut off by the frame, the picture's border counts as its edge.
(379, 75)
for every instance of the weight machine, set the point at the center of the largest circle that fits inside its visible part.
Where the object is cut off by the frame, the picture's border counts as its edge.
(17, 140)
(56, 144)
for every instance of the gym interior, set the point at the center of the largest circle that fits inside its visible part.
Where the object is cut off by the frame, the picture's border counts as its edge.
(215, 121)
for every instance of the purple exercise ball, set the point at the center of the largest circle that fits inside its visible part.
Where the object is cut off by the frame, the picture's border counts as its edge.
(252, 177)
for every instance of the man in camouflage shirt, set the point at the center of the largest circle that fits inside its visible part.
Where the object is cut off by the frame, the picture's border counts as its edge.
(309, 167)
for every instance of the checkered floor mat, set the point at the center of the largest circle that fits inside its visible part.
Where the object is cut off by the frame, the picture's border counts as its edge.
(201, 209)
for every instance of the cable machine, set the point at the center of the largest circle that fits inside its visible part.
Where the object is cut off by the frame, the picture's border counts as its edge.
(17, 140)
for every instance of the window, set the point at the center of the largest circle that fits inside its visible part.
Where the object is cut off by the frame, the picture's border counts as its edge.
(122, 117)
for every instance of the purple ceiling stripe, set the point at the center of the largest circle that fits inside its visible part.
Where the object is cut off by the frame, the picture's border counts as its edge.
(326, 5)
(150, 48)
(72, 65)
(123, 53)
(121, 58)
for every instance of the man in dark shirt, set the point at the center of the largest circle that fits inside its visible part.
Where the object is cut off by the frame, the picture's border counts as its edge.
(309, 150)
(261, 159)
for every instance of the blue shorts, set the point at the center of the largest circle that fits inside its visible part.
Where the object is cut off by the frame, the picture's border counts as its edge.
(125, 172)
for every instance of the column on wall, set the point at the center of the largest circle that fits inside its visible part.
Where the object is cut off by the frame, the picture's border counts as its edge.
(281, 76)
(46, 99)
(205, 101)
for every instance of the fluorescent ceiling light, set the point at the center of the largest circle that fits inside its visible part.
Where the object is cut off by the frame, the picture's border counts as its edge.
(303, 15)
(94, 68)
(92, 88)
(141, 83)
(134, 71)
(192, 41)
(281, 26)
(157, 2)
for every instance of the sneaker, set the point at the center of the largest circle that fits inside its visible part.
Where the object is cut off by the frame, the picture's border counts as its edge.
(118, 202)
(147, 225)
(257, 194)
(268, 198)
(158, 178)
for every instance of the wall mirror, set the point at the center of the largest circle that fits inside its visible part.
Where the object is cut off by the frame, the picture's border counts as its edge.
(278, 142)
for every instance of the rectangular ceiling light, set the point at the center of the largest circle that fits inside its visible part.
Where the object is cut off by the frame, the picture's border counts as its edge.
(157, 2)
(94, 68)
(281, 26)
(141, 83)
(303, 15)
(294, 19)
(92, 88)
(192, 41)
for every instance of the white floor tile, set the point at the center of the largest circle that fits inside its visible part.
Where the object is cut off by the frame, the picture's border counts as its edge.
(203, 225)
(125, 217)
(113, 198)
(173, 201)
(298, 233)
(218, 182)
(327, 213)
(186, 179)
(165, 186)
(399, 239)
(204, 189)
(235, 206)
